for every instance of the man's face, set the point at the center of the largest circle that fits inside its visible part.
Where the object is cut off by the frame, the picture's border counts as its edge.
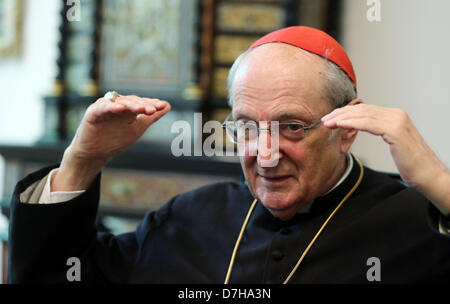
(279, 82)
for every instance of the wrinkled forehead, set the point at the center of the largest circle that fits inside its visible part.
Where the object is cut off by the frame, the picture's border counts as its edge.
(279, 77)
(281, 57)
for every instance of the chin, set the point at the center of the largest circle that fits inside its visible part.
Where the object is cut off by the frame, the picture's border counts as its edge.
(284, 215)
(279, 205)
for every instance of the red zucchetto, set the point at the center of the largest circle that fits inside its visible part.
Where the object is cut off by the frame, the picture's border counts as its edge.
(314, 41)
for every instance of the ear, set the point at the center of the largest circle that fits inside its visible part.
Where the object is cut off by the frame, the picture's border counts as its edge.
(348, 136)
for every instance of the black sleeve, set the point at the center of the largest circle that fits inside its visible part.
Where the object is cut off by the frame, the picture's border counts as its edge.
(441, 246)
(434, 217)
(42, 237)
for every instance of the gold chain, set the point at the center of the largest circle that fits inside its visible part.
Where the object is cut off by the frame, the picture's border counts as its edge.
(250, 211)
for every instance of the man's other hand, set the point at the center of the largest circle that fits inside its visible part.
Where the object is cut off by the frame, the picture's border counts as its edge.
(107, 129)
(417, 163)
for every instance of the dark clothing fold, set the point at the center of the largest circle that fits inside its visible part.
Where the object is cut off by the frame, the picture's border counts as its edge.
(191, 238)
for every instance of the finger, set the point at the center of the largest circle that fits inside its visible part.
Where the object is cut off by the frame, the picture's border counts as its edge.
(145, 121)
(148, 108)
(333, 114)
(151, 104)
(333, 122)
(157, 103)
(358, 108)
(356, 111)
(99, 112)
(365, 124)
(131, 104)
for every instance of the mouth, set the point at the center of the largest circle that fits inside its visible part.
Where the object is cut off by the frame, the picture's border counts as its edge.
(275, 179)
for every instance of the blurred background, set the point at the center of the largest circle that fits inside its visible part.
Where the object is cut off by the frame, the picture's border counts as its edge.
(57, 57)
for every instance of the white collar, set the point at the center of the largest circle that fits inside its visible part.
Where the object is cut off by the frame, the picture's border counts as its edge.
(307, 208)
(346, 173)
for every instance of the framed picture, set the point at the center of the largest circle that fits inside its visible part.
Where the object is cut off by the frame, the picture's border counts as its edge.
(229, 47)
(250, 17)
(144, 191)
(149, 47)
(11, 19)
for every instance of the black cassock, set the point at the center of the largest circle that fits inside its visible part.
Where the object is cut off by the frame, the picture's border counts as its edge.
(191, 238)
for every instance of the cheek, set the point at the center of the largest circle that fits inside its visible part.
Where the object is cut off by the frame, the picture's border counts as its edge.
(248, 149)
(247, 158)
(248, 164)
(295, 152)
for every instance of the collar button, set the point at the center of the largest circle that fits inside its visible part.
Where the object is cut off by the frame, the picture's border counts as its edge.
(277, 255)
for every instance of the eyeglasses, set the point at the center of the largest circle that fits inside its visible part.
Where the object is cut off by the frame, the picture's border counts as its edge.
(238, 131)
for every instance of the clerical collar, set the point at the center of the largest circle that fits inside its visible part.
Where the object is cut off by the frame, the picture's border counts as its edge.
(307, 208)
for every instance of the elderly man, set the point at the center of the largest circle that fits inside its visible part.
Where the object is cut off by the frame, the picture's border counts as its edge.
(317, 216)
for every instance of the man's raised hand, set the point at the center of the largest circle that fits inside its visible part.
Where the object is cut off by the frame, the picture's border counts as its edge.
(107, 129)
(417, 163)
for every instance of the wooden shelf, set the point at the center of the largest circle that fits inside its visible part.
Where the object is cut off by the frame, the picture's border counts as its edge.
(137, 157)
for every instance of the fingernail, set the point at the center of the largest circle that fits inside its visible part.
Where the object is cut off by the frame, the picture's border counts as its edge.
(161, 104)
(327, 123)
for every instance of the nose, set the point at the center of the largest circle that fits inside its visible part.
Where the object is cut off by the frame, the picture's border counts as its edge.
(268, 146)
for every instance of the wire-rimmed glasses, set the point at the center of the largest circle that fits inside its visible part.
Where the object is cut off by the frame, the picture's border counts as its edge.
(249, 130)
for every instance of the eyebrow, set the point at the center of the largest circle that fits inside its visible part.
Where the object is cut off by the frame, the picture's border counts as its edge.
(242, 116)
(279, 117)
(287, 116)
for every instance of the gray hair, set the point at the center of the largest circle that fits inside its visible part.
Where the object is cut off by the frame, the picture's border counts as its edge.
(338, 87)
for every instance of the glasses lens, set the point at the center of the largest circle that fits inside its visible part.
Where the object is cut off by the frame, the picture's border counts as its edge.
(247, 131)
(231, 131)
(292, 130)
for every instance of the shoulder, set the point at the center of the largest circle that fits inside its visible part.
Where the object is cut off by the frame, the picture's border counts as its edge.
(213, 192)
(383, 185)
(387, 192)
(209, 209)
(219, 198)
(384, 206)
